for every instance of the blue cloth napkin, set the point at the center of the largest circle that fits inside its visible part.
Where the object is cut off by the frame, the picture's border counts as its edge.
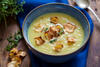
(78, 61)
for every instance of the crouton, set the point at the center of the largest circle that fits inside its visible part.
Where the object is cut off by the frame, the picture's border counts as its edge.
(16, 59)
(13, 52)
(58, 47)
(69, 27)
(13, 64)
(54, 31)
(71, 40)
(38, 28)
(21, 53)
(39, 41)
(55, 28)
(48, 35)
(54, 20)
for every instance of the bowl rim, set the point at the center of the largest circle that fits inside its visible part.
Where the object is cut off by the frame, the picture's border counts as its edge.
(30, 47)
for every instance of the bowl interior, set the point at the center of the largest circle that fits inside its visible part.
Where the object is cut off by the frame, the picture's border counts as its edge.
(51, 8)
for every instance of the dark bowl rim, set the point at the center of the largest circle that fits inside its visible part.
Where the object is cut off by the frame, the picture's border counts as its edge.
(30, 47)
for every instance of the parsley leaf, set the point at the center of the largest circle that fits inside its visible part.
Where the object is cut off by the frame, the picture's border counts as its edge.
(46, 29)
(53, 40)
(61, 31)
(10, 8)
(13, 41)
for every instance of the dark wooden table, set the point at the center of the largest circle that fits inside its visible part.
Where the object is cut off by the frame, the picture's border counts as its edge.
(94, 48)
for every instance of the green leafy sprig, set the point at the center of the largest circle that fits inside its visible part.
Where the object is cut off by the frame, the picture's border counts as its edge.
(53, 40)
(10, 8)
(61, 31)
(13, 40)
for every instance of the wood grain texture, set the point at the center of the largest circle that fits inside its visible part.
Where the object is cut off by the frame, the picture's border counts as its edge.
(94, 49)
(93, 59)
(4, 33)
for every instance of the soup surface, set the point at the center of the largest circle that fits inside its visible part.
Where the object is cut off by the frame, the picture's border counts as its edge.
(56, 34)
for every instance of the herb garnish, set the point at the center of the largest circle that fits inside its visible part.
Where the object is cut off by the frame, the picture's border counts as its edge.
(46, 29)
(61, 31)
(10, 8)
(53, 40)
(13, 40)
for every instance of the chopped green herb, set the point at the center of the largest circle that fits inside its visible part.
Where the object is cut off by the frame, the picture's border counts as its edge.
(10, 8)
(61, 31)
(51, 41)
(13, 41)
(10, 39)
(18, 36)
(46, 29)
(10, 46)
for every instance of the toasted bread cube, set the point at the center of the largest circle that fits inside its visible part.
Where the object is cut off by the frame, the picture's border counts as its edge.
(69, 27)
(11, 55)
(39, 28)
(54, 20)
(48, 35)
(58, 27)
(21, 53)
(54, 31)
(55, 28)
(58, 47)
(13, 52)
(71, 40)
(39, 41)
(12, 64)
(18, 59)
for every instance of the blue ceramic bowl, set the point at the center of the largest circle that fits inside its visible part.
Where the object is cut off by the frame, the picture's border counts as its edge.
(51, 8)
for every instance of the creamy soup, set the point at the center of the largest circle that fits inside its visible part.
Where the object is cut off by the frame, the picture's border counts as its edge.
(56, 34)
